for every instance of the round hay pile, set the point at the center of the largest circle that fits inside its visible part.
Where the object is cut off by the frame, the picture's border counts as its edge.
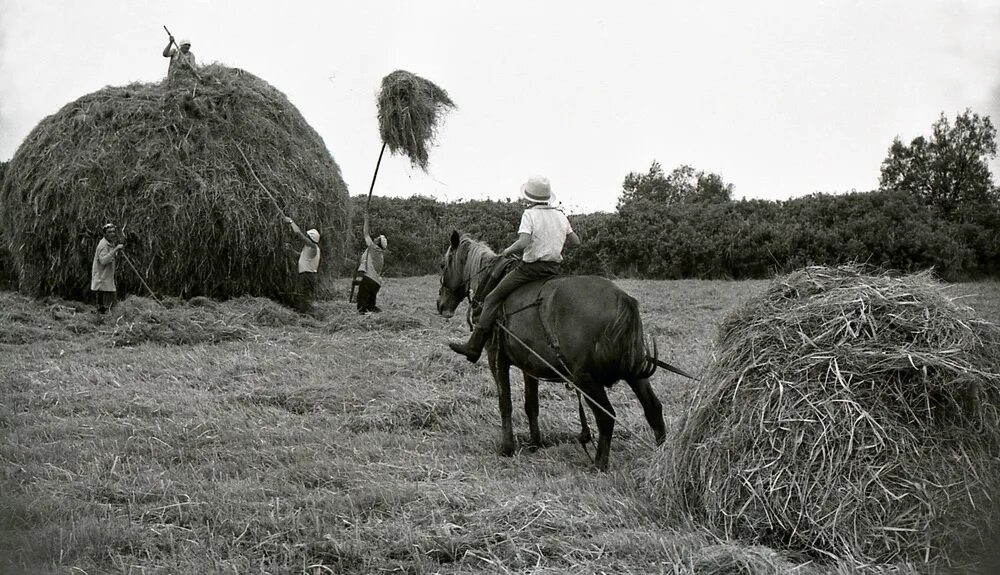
(410, 109)
(164, 160)
(847, 415)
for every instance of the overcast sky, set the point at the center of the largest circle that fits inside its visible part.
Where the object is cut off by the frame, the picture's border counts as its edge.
(781, 98)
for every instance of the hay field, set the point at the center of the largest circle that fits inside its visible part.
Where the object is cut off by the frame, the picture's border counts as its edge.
(240, 437)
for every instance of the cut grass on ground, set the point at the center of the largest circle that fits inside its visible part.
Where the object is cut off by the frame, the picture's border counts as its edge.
(241, 437)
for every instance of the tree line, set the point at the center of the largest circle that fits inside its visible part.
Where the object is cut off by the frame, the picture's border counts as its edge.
(936, 207)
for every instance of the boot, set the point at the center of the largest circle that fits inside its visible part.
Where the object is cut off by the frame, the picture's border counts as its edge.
(473, 348)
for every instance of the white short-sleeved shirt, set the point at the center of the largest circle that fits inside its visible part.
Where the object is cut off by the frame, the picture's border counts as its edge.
(309, 259)
(548, 228)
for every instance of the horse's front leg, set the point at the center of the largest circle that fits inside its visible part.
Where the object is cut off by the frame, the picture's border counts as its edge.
(500, 366)
(531, 408)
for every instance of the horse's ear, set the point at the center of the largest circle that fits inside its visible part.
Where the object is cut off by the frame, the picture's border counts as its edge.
(454, 240)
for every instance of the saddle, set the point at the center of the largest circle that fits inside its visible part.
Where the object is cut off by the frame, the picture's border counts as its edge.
(500, 268)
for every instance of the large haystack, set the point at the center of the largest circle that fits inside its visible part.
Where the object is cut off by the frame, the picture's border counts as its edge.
(846, 415)
(164, 161)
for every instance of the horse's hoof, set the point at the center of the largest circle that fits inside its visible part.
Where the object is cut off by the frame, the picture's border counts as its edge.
(506, 450)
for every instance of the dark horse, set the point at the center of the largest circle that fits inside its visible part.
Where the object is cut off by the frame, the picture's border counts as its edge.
(582, 326)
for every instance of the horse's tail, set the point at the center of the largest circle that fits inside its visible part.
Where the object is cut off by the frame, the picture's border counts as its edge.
(622, 346)
(653, 359)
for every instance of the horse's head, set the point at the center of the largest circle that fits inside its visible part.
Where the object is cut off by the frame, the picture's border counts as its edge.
(454, 284)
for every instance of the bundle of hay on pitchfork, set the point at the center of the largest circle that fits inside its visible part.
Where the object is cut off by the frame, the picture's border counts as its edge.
(410, 110)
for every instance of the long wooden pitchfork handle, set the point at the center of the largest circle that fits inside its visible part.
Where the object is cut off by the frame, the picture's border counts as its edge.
(254, 174)
(375, 175)
(171, 37)
(139, 275)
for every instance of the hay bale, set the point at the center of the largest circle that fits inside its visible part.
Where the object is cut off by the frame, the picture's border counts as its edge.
(848, 414)
(164, 160)
(410, 110)
(8, 279)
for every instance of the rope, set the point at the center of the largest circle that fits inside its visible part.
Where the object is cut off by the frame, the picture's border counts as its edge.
(569, 381)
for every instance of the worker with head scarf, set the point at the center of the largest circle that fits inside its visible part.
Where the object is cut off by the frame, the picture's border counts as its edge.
(308, 267)
(102, 272)
(370, 269)
(181, 58)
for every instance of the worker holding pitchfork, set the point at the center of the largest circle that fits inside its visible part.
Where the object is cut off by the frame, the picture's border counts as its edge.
(102, 272)
(308, 267)
(181, 57)
(370, 270)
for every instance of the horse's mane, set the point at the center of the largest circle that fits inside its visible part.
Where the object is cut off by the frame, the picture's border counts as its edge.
(478, 256)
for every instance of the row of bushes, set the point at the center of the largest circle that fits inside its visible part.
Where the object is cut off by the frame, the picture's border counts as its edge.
(730, 239)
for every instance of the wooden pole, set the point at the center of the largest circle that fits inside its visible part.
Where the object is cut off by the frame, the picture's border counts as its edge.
(266, 191)
(129, 262)
(375, 175)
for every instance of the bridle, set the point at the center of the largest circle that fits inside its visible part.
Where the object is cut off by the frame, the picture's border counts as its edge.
(462, 291)
(459, 293)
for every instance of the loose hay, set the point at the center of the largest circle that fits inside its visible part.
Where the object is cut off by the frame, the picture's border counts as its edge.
(163, 160)
(846, 415)
(730, 559)
(410, 109)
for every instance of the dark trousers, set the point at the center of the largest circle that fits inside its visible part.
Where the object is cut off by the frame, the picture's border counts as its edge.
(367, 291)
(306, 291)
(522, 274)
(105, 299)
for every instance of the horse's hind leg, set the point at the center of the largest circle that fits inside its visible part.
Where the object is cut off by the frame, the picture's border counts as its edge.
(651, 407)
(605, 416)
(531, 408)
(500, 366)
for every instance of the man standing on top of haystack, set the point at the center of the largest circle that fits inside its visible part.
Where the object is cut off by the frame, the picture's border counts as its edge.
(102, 272)
(370, 268)
(181, 58)
(543, 231)
(308, 267)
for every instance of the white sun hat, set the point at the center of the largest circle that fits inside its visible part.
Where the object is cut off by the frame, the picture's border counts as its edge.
(537, 189)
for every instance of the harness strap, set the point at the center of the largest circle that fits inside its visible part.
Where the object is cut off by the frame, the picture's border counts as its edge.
(550, 336)
(537, 302)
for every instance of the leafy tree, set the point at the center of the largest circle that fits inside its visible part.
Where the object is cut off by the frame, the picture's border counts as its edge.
(682, 186)
(950, 170)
